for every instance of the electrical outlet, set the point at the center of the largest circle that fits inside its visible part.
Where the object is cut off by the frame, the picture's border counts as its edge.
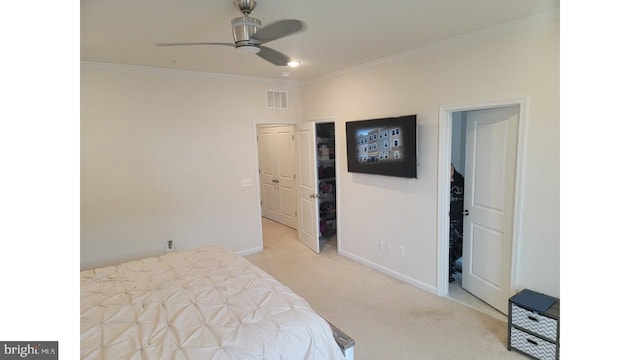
(380, 244)
(170, 246)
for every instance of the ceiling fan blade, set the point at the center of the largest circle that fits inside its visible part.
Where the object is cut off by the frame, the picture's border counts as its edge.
(277, 30)
(195, 43)
(275, 57)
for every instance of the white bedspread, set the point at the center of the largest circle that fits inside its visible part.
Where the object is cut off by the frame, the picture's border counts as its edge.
(202, 304)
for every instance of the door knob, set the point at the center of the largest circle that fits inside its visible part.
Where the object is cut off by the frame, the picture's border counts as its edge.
(465, 213)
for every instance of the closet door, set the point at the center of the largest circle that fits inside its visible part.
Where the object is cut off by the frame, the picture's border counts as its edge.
(308, 222)
(277, 174)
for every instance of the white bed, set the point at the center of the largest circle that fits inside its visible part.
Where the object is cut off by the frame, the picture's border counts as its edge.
(207, 303)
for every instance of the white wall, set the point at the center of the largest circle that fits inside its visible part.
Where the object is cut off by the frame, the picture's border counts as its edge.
(521, 60)
(162, 156)
(163, 153)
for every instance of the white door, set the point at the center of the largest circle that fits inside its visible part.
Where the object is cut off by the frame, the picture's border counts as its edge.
(267, 164)
(277, 174)
(308, 224)
(489, 187)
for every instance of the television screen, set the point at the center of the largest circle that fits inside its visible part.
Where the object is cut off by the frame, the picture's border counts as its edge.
(385, 146)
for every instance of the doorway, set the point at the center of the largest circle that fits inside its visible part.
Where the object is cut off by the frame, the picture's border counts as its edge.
(297, 176)
(481, 151)
(276, 169)
(317, 186)
(327, 205)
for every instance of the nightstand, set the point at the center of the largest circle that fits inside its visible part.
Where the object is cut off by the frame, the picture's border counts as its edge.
(534, 325)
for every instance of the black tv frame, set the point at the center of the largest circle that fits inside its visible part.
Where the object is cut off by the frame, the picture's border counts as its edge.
(383, 158)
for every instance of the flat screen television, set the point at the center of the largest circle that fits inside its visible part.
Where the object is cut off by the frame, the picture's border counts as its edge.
(385, 146)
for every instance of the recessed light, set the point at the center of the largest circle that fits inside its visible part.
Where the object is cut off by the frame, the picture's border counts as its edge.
(294, 63)
(285, 73)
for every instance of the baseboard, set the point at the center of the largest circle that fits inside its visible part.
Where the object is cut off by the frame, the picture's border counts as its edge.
(392, 273)
(249, 251)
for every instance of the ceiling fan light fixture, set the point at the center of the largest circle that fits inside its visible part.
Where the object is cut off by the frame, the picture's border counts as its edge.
(248, 49)
(249, 36)
(294, 63)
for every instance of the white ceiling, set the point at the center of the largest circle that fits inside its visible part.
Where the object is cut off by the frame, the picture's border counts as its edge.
(340, 33)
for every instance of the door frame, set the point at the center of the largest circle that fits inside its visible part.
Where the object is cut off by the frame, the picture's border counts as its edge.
(256, 151)
(337, 149)
(280, 216)
(445, 123)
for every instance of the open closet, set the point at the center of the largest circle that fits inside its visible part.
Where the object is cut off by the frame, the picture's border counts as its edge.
(326, 163)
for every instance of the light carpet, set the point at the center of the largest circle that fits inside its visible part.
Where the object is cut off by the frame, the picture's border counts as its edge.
(387, 318)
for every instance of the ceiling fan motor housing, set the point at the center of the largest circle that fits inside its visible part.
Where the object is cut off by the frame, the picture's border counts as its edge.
(243, 29)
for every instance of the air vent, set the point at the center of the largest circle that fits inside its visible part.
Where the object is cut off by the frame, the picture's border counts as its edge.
(276, 99)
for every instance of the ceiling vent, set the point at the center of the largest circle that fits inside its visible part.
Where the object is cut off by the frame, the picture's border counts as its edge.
(276, 99)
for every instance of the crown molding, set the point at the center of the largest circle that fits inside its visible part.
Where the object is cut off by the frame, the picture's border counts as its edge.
(181, 73)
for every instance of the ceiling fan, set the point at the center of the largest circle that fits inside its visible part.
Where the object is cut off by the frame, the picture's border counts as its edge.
(249, 35)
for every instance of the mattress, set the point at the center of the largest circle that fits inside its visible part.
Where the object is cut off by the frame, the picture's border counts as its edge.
(207, 303)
